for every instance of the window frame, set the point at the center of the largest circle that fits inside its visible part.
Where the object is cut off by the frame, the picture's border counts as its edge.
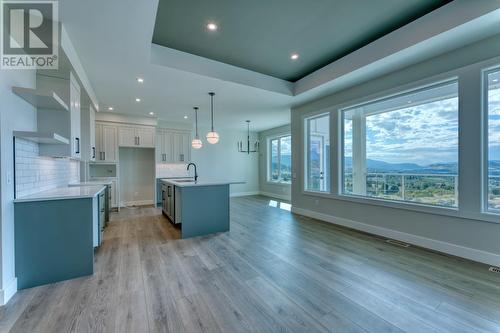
(485, 158)
(333, 105)
(306, 151)
(416, 89)
(270, 158)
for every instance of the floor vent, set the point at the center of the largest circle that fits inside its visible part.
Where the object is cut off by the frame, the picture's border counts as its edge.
(494, 269)
(397, 243)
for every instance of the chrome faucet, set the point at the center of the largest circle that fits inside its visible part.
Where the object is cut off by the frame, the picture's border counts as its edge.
(195, 172)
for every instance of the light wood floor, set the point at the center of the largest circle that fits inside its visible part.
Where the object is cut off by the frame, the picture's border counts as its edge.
(274, 272)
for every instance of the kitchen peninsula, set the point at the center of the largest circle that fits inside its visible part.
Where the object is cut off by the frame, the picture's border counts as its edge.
(201, 207)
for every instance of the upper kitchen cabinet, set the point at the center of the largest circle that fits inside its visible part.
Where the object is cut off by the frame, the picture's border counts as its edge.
(106, 142)
(173, 146)
(64, 123)
(89, 149)
(136, 136)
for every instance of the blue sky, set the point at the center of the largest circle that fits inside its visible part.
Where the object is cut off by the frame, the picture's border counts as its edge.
(422, 134)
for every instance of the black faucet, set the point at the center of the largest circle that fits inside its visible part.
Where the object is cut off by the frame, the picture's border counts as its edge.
(195, 172)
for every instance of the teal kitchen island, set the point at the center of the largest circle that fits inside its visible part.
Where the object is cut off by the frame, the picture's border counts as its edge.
(200, 207)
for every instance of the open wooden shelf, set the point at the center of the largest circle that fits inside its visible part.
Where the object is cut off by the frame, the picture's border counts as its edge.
(46, 138)
(43, 100)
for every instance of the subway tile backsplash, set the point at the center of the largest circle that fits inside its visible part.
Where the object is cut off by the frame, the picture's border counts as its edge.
(171, 170)
(38, 173)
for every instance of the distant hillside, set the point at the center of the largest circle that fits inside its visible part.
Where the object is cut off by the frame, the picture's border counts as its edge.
(381, 166)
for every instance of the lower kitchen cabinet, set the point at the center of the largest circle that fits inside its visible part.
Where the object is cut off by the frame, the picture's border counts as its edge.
(55, 239)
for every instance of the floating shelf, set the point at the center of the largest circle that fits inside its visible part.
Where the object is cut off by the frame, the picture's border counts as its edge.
(43, 100)
(47, 138)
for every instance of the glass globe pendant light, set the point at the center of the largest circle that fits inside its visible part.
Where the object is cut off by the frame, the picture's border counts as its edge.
(196, 143)
(212, 136)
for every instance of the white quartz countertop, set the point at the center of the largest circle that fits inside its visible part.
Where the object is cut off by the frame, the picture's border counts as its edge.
(63, 193)
(92, 183)
(192, 183)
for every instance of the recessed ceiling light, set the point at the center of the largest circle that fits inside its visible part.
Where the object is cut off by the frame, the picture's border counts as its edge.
(495, 80)
(294, 56)
(152, 113)
(137, 100)
(212, 26)
(140, 80)
(185, 117)
(110, 108)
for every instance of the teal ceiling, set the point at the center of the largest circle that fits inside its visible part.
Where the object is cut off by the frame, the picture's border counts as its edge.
(260, 35)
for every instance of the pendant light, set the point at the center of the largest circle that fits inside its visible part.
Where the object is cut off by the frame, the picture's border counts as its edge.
(212, 136)
(248, 150)
(196, 143)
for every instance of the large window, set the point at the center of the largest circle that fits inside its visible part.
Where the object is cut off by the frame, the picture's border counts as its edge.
(280, 168)
(404, 147)
(318, 153)
(493, 104)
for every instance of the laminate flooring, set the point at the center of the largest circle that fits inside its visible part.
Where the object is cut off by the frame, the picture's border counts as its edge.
(273, 272)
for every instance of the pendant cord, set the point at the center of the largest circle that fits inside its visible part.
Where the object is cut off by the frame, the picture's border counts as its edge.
(212, 108)
(196, 121)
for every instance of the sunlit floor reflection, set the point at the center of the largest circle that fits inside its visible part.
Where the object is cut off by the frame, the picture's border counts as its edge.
(280, 205)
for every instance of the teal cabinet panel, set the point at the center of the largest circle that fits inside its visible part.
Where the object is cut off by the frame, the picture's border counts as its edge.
(53, 240)
(203, 209)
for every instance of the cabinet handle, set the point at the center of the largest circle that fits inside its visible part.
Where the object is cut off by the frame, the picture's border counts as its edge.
(181, 157)
(164, 157)
(138, 140)
(93, 152)
(103, 155)
(77, 145)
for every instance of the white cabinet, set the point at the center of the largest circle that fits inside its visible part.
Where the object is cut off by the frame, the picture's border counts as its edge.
(75, 97)
(127, 137)
(89, 149)
(114, 193)
(173, 146)
(106, 142)
(66, 123)
(146, 136)
(136, 136)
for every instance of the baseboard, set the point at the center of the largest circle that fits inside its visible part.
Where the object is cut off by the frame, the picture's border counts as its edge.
(276, 196)
(433, 244)
(243, 194)
(9, 291)
(137, 203)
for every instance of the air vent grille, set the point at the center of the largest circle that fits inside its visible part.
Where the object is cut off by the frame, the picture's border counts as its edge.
(397, 243)
(494, 269)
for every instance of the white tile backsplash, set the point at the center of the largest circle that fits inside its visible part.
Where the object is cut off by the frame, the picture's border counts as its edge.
(38, 173)
(171, 170)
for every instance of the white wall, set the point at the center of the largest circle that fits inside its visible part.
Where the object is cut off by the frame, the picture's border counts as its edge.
(275, 190)
(137, 176)
(222, 161)
(464, 233)
(15, 114)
